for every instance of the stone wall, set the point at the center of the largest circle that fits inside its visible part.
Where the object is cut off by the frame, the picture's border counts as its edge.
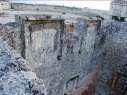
(40, 37)
(82, 52)
(91, 60)
(64, 58)
(113, 74)
(16, 76)
(10, 33)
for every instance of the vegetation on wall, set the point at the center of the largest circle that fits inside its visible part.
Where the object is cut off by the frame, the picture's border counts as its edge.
(117, 18)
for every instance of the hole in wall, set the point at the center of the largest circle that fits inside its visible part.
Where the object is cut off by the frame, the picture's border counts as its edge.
(79, 51)
(69, 27)
(59, 57)
(72, 84)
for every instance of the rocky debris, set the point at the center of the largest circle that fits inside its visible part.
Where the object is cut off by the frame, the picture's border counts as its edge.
(16, 76)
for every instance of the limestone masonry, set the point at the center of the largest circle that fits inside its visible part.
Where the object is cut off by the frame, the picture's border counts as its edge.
(16, 76)
(91, 60)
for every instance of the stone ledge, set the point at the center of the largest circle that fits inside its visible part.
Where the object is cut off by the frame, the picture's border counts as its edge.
(41, 17)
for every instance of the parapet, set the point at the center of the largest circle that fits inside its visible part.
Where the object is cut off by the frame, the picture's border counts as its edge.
(39, 17)
(34, 23)
(16, 76)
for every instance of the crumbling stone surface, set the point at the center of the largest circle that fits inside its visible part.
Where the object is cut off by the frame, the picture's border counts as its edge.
(10, 32)
(42, 17)
(103, 89)
(63, 59)
(16, 76)
(113, 75)
(79, 57)
(88, 84)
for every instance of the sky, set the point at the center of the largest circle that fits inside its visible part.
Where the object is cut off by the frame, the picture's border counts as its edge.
(103, 5)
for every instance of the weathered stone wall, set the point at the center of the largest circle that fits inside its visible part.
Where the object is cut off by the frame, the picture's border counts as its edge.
(62, 74)
(85, 49)
(64, 58)
(16, 76)
(90, 59)
(40, 38)
(113, 74)
(88, 84)
(10, 33)
(43, 42)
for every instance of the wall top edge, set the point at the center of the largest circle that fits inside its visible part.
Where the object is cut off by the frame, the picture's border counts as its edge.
(43, 17)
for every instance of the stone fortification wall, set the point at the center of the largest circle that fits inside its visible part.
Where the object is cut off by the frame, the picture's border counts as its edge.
(23, 6)
(39, 33)
(113, 74)
(91, 60)
(79, 58)
(64, 58)
(16, 76)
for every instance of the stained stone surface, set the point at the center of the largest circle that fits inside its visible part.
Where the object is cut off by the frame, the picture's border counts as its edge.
(61, 56)
(113, 75)
(42, 47)
(103, 89)
(63, 59)
(16, 76)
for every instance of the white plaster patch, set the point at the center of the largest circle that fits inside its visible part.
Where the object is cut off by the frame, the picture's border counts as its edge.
(42, 46)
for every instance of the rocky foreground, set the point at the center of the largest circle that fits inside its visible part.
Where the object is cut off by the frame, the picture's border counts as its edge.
(16, 76)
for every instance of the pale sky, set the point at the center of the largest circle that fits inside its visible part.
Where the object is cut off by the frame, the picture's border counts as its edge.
(103, 5)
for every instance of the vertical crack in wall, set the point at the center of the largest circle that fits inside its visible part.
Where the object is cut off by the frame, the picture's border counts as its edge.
(61, 37)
